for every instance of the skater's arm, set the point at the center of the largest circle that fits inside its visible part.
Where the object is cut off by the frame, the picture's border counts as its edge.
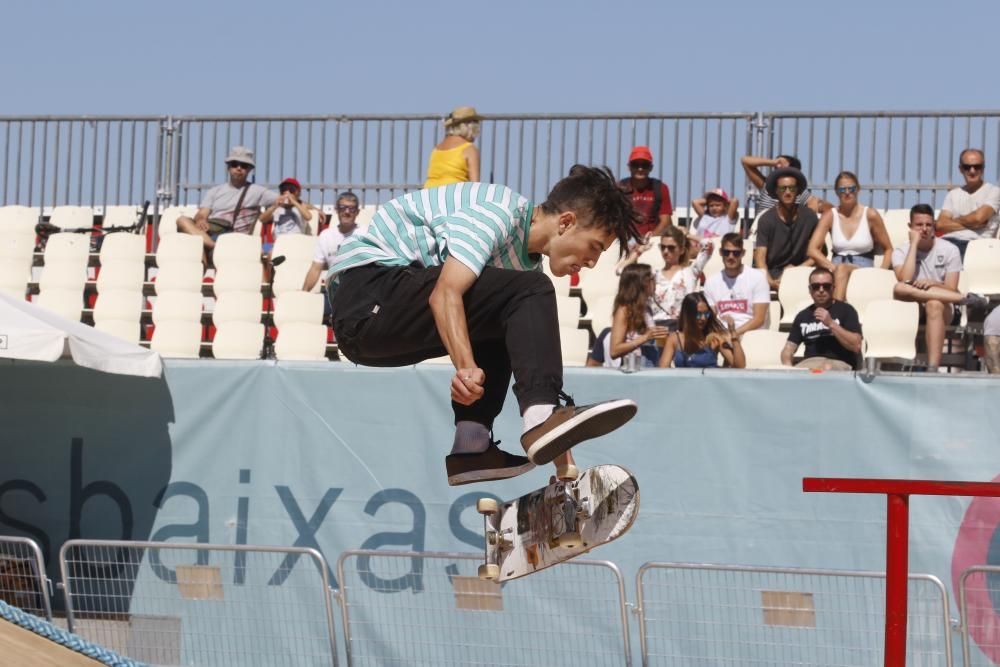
(449, 316)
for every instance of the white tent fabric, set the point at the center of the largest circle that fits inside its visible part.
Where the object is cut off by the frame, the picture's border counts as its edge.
(33, 333)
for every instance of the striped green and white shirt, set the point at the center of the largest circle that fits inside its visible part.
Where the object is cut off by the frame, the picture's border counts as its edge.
(478, 224)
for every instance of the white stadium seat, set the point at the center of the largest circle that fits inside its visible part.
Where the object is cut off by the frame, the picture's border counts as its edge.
(121, 216)
(178, 275)
(237, 307)
(57, 275)
(72, 217)
(183, 247)
(298, 307)
(181, 306)
(568, 309)
(891, 330)
(122, 246)
(238, 340)
(869, 284)
(762, 348)
(18, 221)
(118, 305)
(300, 341)
(982, 266)
(575, 346)
(121, 274)
(793, 290)
(239, 276)
(168, 219)
(67, 303)
(235, 248)
(177, 339)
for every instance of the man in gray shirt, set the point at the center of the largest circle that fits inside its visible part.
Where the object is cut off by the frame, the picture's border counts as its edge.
(217, 214)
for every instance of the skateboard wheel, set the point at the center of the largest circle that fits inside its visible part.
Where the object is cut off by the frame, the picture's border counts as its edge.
(567, 473)
(569, 540)
(489, 572)
(487, 506)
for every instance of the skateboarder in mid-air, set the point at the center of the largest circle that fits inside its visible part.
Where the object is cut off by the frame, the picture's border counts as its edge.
(453, 270)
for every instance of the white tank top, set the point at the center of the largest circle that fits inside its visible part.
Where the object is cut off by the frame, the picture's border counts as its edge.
(859, 244)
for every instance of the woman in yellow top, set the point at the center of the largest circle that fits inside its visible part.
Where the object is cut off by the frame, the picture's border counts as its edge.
(456, 158)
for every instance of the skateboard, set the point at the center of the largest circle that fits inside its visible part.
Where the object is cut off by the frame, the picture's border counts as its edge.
(558, 522)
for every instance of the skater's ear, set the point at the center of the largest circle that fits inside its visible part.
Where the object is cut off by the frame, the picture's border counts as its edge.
(567, 220)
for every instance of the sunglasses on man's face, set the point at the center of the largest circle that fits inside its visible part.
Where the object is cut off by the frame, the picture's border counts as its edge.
(730, 253)
(644, 166)
(669, 247)
(788, 188)
(815, 287)
(847, 189)
(978, 166)
(347, 209)
(240, 165)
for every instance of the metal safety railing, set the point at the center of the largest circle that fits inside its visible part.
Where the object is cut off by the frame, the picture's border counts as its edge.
(900, 157)
(425, 608)
(201, 604)
(979, 602)
(697, 614)
(23, 582)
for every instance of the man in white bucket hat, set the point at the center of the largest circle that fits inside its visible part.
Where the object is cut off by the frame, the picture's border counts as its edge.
(232, 206)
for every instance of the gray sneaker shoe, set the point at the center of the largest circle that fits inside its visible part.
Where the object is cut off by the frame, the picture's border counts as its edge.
(974, 300)
(492, 464)
(571, 424)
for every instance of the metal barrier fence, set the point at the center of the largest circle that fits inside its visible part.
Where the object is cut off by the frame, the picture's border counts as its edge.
(22, 576)
(695, 614)
(979, 599)
(900, 157)
(201, 604)
(410, 608)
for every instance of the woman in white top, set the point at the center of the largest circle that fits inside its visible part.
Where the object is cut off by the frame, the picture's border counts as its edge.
(677, 278)
(854, 230)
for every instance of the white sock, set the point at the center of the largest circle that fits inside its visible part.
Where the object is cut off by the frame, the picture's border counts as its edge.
(536, 414)
(470, 438)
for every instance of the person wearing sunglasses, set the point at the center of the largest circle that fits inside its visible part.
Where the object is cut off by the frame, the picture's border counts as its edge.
(633, 330)
(738, 294)
(783, 232)
(650, 196)
(348, 206)
(854, 230)
(928, 269)
(702, 338)
(970, 212)
(829, 328)
(232, 206)
(752, 165)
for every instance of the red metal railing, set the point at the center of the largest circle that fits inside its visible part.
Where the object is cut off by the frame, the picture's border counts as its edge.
(897, 492)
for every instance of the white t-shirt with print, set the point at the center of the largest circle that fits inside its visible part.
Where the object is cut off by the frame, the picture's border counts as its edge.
(959, 202)
(329, 242)
(708, 226)
(943, 258)
(736, 296)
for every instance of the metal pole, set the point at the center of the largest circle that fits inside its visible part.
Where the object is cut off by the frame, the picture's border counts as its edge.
(896, 567)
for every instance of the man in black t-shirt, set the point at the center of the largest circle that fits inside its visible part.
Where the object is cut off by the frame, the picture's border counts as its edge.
(783, 232)
(830, 329)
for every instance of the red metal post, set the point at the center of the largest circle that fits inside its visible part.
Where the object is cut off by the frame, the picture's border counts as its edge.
(896, 576)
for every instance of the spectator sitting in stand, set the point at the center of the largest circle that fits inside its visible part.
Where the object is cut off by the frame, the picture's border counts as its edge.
(650, 196)
(456, 158)
(830, 329)
(701, 338)
(677, 277)
(765, 200)
(970, 212)
(854, 230)
(330, 238)
(288, 214)
(717, 214)
(928, 269)
(632, 327)
(783, 232)
(738, 294)
(232, 206)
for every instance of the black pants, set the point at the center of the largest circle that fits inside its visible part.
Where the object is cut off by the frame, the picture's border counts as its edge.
(381, 317)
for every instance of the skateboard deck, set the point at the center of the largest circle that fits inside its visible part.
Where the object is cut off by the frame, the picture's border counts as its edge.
(557, 522)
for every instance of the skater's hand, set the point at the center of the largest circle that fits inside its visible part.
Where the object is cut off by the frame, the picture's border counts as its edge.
(467, 385)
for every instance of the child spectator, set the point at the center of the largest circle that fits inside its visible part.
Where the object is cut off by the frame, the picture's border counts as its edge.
(717, 214)
(289, 214)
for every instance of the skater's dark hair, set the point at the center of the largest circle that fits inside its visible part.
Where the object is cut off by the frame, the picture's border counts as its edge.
(594, 195)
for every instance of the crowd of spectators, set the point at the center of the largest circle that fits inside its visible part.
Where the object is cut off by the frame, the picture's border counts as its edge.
(793, 229)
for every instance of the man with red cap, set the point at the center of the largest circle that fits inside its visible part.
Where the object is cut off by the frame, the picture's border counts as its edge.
(650, 197)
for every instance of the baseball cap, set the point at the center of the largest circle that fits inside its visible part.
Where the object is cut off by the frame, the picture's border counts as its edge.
(719, 193)
(291, 181)
(640, 153)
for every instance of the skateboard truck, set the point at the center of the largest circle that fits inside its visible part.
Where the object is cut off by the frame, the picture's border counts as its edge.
(495, 539)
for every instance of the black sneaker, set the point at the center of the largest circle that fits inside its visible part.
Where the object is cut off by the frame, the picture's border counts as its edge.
(494, 463)
(572, 424)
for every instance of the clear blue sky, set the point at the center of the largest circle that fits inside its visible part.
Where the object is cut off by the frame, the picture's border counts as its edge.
(420, 56)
